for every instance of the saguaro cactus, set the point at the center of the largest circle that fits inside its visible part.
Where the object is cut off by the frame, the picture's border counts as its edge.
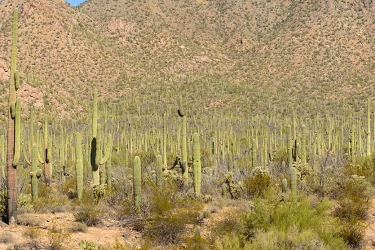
(35, 172)
(137, 183)
(293, 180)
(96, 159)
(197, 166)
(13, 144)
(289, 146)
(181, 113)
(47, 154)
(159, 171)
(368, 130)
(79, 167)
(165, 141)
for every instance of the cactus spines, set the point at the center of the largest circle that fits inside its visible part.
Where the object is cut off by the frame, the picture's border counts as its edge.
(79, 166)
(137, 183)
(197, 165)
(35, 172)
(159, 171)
(284, 185)
(11, 167)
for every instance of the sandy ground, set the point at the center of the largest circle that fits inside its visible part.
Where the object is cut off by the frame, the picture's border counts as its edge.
(106, 235)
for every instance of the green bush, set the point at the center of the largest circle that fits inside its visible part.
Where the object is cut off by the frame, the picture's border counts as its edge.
(271, 224)
(353, 196)
(89, 214)
(169, 213)
(258, 182)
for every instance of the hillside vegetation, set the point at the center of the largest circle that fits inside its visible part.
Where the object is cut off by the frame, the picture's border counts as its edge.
(187, 124)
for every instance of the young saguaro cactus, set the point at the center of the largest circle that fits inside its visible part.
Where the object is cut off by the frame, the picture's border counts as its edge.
(13, 138)
(137, 191)
(197, 165)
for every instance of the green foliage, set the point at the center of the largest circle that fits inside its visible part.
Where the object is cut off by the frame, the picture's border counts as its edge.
(57, 236)
(87, 245)
(271, 224)
(49, 200)
(89, 214)
(235, 189)
(258, 182)
(353, 196)
(170, 212)
(3, 200)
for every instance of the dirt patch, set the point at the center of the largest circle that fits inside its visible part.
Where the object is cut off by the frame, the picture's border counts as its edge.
(105, 235)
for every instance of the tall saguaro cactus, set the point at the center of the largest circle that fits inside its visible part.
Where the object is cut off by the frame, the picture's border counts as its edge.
(79, 166)
(96, 159)
(181, 113)
(197, 165)
(13, 144)
(46, 155)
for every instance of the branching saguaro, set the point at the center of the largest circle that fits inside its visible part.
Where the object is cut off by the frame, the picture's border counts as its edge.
(14, 129)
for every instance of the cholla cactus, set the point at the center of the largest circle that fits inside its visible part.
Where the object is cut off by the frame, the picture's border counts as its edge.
(235, 189)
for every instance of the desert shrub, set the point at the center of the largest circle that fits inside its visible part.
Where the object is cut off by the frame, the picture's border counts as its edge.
(3, 204)
(170, 212)
(271, 224)
(6, 237)
(230, 223)
(231, 242)
(89, 214)
(363, 167)
(28, 220)
(49, 200)
(33, 233)
(235, 189)
(75, 227)
(258, 182)
(57, 236)
(196, 241)
(353, 196)
(87, 245)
